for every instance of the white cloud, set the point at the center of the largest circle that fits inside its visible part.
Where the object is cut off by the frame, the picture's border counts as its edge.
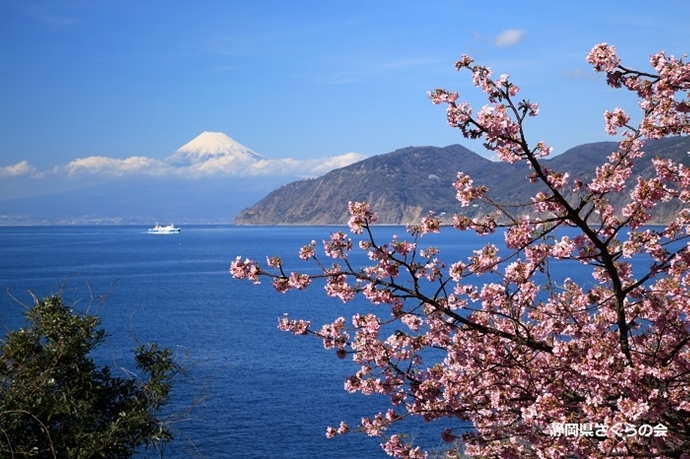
(16, 170)
(218, 166)
(509, 37)
(116, 167)
(303, 168)
(321, 166)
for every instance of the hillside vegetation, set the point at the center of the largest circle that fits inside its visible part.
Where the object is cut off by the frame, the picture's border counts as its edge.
(406, 184)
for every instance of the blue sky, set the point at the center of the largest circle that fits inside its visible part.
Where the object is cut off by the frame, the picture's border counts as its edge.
(300, 79)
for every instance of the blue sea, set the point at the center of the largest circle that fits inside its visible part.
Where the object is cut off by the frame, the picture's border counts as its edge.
(256, 392)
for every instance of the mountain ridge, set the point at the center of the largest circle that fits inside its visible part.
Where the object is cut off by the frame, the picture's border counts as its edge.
(404, 185)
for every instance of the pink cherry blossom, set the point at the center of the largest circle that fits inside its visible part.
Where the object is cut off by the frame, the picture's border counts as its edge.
(299, 281)
(307, 252)
(507, 339)
(430, 224)
(615, 119)
(603, 57)
(246, 269)
(338, 245)
(360, 215)
(466, 192)
(465, 61)
(298, 327)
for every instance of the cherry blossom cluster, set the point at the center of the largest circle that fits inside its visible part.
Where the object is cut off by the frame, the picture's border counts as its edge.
(664, 113)
(505, 339)
(498, 122)
(245, 269)
(361, 215)
(466, 192)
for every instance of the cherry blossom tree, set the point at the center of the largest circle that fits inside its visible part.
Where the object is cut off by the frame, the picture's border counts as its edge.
(540, 366)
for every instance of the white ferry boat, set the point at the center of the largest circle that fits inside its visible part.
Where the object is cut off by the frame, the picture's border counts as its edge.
(168, 229)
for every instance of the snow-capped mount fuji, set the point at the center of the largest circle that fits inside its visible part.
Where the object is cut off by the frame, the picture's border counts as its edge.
(213, 145)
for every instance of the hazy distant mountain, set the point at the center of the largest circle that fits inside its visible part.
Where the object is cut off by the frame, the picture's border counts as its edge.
(406, 184)
(199, 191)
(213, 200)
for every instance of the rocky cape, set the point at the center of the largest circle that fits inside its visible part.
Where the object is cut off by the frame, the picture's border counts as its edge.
(405, 185)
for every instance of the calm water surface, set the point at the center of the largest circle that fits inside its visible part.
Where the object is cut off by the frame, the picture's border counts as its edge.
(266, 394)
(263, 393)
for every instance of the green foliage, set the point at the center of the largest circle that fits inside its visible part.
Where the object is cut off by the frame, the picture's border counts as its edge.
(56, 402)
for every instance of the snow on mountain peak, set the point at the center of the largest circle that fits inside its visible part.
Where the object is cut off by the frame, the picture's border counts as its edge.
(209, 145)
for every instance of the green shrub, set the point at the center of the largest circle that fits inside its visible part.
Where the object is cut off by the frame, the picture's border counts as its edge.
(56, 402)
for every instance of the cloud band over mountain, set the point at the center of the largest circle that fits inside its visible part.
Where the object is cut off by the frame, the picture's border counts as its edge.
(209, 154)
